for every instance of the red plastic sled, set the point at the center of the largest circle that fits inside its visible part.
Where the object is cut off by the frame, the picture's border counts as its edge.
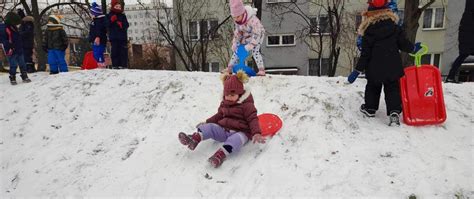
(422, 95)
(89, 61)
(269, 124)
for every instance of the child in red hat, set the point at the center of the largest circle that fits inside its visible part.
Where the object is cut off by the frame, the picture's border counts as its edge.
(235, 122)
(117, 28)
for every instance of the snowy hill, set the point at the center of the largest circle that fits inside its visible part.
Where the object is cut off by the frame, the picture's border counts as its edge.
(114, 133)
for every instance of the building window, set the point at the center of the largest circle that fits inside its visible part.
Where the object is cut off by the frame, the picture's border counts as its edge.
(214, 67)
(211, 67)
(202, 28)
(320, 24)
(281, 40)
(431, 59)
(318, 68)
(433, 18)
(193, 30)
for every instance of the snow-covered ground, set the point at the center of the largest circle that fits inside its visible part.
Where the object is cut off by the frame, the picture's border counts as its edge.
(113, 133)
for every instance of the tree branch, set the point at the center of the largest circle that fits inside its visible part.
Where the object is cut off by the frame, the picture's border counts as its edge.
(62, 4)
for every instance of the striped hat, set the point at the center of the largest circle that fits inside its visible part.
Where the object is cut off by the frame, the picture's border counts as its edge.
(95, 9)
(54, 19)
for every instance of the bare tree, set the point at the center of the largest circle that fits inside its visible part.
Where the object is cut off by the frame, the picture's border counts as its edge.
(349, 37)
(39, 19)
(191, 45)
(413, 11)
(334, 11)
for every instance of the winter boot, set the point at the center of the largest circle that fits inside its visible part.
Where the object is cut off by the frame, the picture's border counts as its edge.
(218, 158)
(394, 119)
(12, 80)
(190, 140)
(25, 78)
(367, 112)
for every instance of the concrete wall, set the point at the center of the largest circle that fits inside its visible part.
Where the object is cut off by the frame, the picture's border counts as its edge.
(284, 56)
(451, 48)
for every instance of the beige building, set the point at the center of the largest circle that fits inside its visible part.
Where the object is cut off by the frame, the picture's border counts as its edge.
(198, 20)
(292, 42)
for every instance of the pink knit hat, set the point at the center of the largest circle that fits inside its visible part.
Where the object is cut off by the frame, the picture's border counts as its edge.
(236, 8)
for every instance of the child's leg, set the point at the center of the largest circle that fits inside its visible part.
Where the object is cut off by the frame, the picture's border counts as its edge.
(372, 95)
(12, 60)
(235, 142)
(392, 97)
(214, 131)
(257, 56)
(115, 56)
(61, 55)
(52, 61)
(98, 53)
(124, 54)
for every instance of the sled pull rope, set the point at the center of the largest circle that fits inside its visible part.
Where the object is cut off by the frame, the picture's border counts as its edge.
(419, 54)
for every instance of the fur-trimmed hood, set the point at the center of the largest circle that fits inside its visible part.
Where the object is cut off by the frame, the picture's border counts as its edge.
(372, 17)
(251, 12)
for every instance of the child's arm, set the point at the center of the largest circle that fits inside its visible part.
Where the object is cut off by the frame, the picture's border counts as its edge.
(235, 40)
(250, 114)
(125, 22)
(216, 117)
(365, 53)
(403, 43)
(64, 40)
(257, 33)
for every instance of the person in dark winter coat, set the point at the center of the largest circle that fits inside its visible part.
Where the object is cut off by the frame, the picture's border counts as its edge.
(55, 44)
(235, 122)
(98, 34)
(27, 30)
(117, 27)
(13, 47)
(380, 58)
(466, 40)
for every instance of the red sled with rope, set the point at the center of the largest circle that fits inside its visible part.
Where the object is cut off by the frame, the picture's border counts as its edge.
(422, 94)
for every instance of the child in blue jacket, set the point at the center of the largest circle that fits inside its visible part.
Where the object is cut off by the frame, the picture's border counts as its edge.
(98, 34)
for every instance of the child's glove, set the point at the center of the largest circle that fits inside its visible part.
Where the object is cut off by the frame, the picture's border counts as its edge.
(257, 138)
(97, 41)
(113, 18)
(119, 23)
(10, 52)
(249, 47)
(353, 76)
(417, 47)
(359, 42)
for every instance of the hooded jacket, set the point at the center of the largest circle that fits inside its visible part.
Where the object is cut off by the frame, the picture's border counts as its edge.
(382, 40)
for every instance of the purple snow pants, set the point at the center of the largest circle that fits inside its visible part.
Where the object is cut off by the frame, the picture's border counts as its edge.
(233, 138)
